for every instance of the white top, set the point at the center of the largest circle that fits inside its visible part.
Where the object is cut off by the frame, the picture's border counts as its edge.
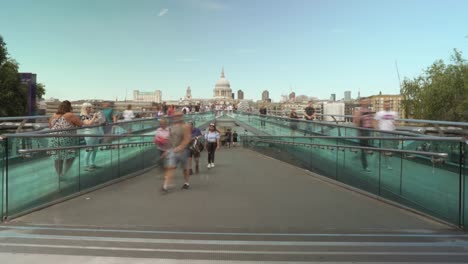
(128, 115)
(186, 109)
(212, 136)
(162, 138)
(386, 120)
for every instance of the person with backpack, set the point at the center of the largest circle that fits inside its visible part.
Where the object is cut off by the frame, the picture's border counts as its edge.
(195, 148)
(234, 138)
(227, 137)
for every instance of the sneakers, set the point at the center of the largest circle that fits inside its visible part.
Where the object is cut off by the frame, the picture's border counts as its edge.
(185, 186)
(209, 165)
(164, 190)
(212, 165)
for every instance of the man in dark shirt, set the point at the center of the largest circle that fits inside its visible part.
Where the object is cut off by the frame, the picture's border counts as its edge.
(309, 115)
(263, 112)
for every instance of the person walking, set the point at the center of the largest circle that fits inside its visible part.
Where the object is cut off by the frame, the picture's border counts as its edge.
(363, 118)
(234, 138)
(211, 144)
(385, 122)
(179, 138)
(111, 119)
(263, 112)
(128, 115)
(161, 139)
(195, 147)
(228, 137)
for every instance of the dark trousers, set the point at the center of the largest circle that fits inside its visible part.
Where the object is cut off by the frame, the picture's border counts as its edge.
(262, 121)
(211, 148)
(364, 143)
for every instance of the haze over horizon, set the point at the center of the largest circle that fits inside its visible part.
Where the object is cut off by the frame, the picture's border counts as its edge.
(102, 48)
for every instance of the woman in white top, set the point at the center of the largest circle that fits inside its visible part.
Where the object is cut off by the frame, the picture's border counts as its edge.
(211, 144)
(128, 115)
(89, 118)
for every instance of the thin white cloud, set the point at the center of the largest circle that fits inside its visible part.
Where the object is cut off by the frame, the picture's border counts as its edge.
(163, 12)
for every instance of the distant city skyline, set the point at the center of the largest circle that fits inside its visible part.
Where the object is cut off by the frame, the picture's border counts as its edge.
(105, 49)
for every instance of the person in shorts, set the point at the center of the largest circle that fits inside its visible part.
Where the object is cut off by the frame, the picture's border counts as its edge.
(179, 139)
(386, 123)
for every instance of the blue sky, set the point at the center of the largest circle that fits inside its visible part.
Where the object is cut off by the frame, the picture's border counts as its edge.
(102, 48)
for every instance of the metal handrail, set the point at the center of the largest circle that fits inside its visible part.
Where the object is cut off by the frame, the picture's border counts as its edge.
(102, 125)
(450, 123)
(435, 154)
(432, 138)
(71, 135)
(24, 151)
(287, 119)
(10, 118)
(47, 116)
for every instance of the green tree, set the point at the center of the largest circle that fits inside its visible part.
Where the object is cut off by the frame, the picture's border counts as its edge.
(40, 90)
(12, 93)
(440, 93)
(3, 51)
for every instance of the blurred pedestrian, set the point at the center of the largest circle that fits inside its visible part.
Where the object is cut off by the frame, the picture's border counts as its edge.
(363, 119)
(179, 138)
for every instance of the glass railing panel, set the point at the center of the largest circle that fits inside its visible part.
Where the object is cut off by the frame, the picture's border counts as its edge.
(430, 183)
(318, 155)
(40, 177)
(99, 164)
(33, 175)
(131, 156)
(390, 165)
(358, 166)
(150, 153)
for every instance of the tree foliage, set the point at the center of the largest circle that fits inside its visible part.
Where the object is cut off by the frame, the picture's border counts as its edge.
(3, 51)
(40, 90)
(440, 93)
(13, 96)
